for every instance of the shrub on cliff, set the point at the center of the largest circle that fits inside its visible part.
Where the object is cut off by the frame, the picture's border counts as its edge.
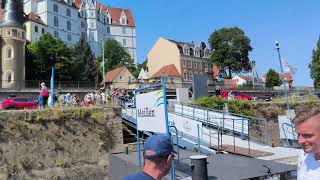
(235, 106)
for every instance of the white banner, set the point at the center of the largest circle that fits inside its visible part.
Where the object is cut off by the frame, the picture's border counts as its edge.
(151, 112)
(187, 126)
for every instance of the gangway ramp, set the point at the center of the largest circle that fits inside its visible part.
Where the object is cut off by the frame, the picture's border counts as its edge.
(218, 129)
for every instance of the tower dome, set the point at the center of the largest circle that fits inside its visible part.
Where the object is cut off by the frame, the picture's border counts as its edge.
(13, 14)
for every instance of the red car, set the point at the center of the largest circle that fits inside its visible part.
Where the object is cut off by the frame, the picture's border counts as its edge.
(20, 103)
(235, 95)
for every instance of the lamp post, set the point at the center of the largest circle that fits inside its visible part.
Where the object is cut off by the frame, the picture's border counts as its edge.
(103, 70)
(253, 69)
(283, 81)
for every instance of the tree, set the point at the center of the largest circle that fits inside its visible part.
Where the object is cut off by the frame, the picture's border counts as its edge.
(315, 66)
(48, 51)
(136, 70)
(230, 50)
(116, 55)
(84, 61)
(272, 79)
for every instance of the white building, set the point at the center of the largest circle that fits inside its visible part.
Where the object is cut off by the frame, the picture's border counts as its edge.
(71, 19)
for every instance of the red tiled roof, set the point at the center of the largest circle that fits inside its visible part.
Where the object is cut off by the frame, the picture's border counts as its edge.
(286, 76)
(112, 75)
(246, 77)
(77, 3)
(1, 13)
(168, 70)
(114, 12)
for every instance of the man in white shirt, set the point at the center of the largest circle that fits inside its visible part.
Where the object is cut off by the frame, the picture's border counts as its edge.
(307, 125)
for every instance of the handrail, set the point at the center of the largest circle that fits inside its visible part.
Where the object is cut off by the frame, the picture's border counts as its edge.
(285, 130)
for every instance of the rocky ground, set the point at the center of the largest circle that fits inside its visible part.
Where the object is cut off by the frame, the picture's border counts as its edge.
(59, 144)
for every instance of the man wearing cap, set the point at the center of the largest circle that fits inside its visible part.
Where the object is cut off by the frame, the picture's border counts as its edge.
(157, 155)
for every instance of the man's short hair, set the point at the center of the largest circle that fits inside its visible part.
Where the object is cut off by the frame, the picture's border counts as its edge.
(306, 115)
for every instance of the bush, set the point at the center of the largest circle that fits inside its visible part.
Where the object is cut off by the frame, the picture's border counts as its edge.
(235, 106)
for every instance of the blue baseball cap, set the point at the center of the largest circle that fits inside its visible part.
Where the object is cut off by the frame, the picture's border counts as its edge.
(160, 144)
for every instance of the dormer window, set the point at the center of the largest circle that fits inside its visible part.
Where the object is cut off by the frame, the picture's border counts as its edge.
(123, 21)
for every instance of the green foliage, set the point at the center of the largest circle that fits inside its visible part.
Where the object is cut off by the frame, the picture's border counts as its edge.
(315, 66)
(71, 63)
(272, 79)
(48, 51)
(235, 106)
(116, 56)
(230, 50)
(211, 103)
(136, 70)
(85, 61)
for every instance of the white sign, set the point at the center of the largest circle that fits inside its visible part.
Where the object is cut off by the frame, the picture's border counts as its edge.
(290, 114)
(151, 112)
(285, 128)
(187, 126)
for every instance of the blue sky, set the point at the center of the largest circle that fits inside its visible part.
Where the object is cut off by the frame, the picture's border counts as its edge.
(295, 24)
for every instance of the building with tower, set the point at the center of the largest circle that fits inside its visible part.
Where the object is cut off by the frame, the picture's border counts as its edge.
(13, 40)
(71, 19)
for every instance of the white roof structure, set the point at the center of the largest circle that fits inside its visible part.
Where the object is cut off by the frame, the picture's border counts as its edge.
(142, 75)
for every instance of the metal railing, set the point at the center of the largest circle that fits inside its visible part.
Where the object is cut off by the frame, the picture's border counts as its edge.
(214, 128)
(35, 84)
(291, 131)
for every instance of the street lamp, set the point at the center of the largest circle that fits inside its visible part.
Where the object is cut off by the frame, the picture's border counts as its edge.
(253, 71)
(283, 81)
(103, 70)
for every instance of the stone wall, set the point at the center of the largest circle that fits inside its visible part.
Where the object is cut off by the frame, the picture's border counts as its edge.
(270, 112)
(58, 144)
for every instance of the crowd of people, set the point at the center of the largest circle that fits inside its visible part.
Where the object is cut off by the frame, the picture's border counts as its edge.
(95, 97)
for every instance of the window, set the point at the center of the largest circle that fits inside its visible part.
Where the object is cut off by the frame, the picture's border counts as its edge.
(108, 20)
(190, 64)
(68, 13)
(9, 77)
(69, 2)
(8, 32)
(91, 14)
(69, 37)
(42, 31)
(55, 21)
(185, 76)
(55, 8)
(9, 51)
(82, 24)
(123, 30)
(121, 78)
(129, 79)
(195, 65)
(200, 65)
(190, 76)
(22, 35)
(92, 25)
(35, 28)
(108, 29)
(124, 42)
(14, 33)
(56, 34)
(68, 25)
(184, 63)
(123, 21)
